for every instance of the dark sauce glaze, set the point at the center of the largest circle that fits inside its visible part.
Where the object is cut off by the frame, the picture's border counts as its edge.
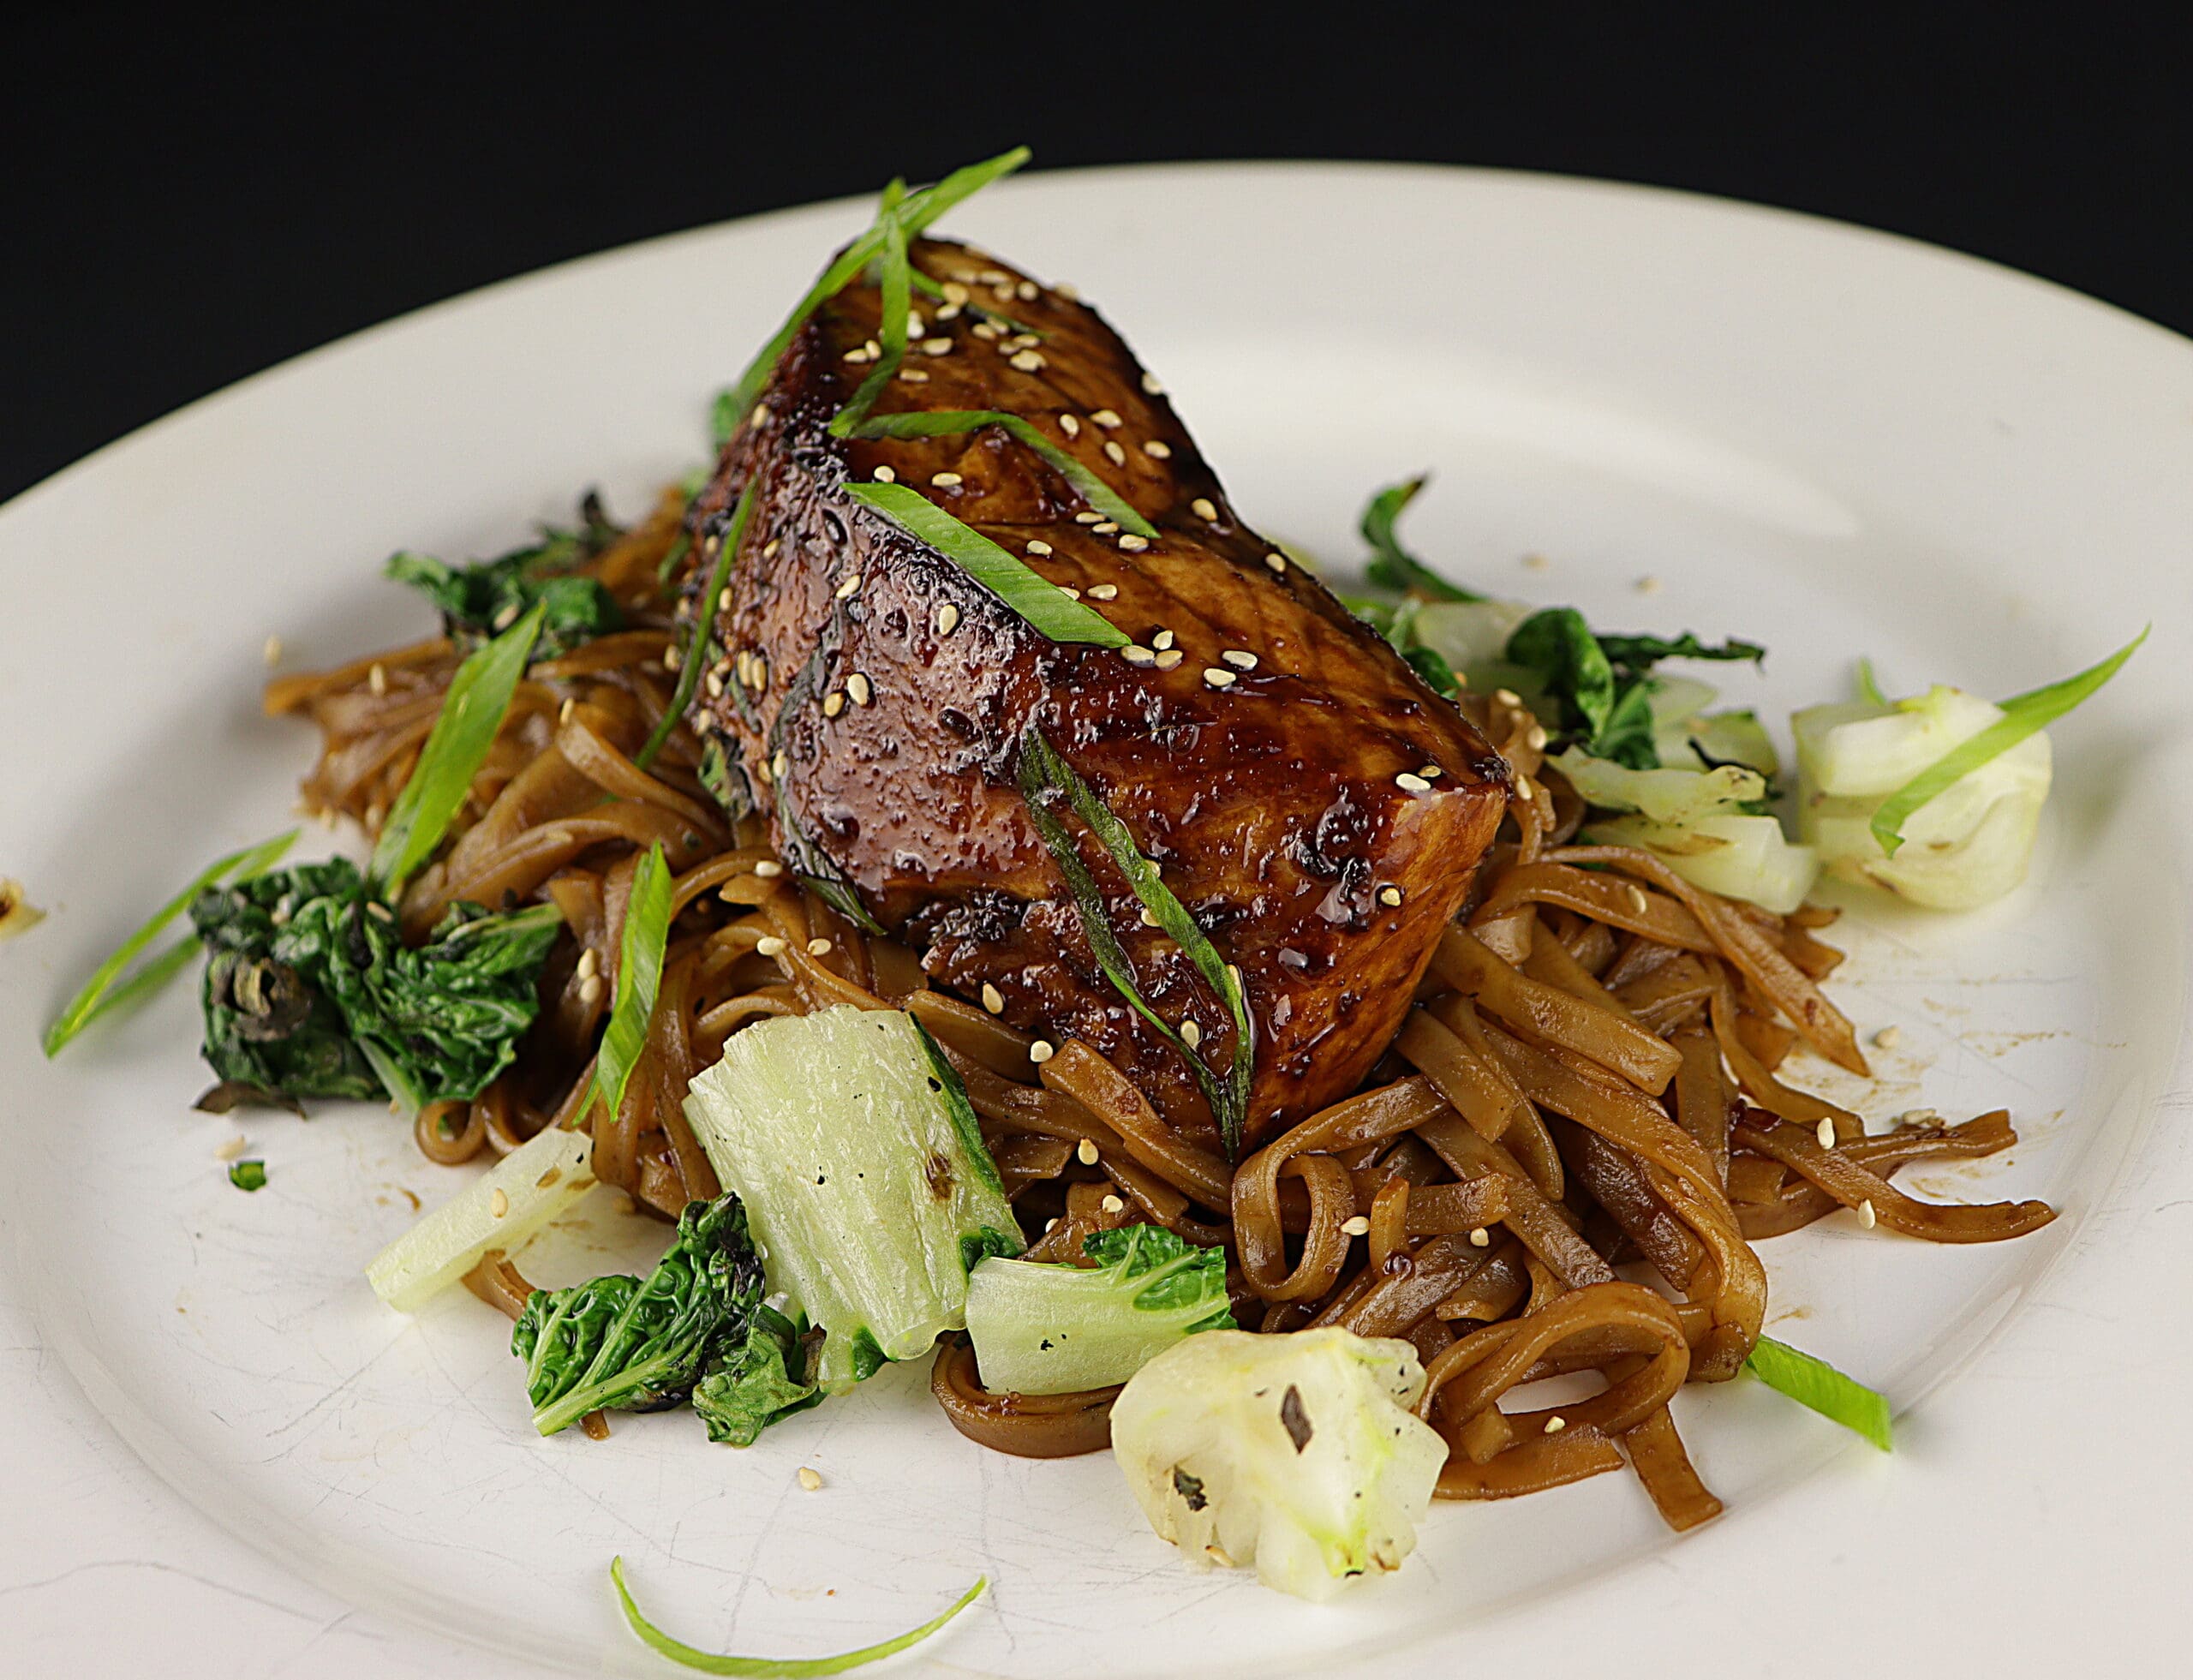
(1271, 802)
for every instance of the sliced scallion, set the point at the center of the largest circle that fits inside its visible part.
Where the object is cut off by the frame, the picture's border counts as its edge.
(639, 981)
(2023, 714)
(100, 994)
(774, 1668)
(1392, 566)
(1045, 775)
(704, 618)
(1041, 603)
(917, 211)
(1815, 1383)
(897, 289)
(945, 422)
(471, 717)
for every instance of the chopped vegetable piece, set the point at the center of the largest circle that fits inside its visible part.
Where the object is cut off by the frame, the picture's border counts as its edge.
(247, 1174)
(18, 915)
(478, 601)
(1735, 855)
(775, 1668)
(537, 1182)
(1297, 1454)
(1059, 1328)
(1600, 687)
(1392, 566)
(1045, 777)
(628, 1344)
(1664, 795)
(100, 994)
(2021, 716)
(870, 1198)
(639, 982)
(947, 423)
(1043, 603)
(1815, 1383)
(310, 990)
(471, 717)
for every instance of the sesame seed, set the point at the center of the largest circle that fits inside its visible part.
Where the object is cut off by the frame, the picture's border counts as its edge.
(992, 999)
(856, 354)
(230, 1150)
(1525, 788)
(1069, 592)
(769, 945)
(1411, 783)
(761, 416)
(1087, 517)
(564, 711)
(1648, 586)
(1104, 527)
(1135, 654)
(949, 312)
(833, 703)
(939, 346)
(1027, 360)
(1106, 418)
(760, 665)
(848, 587)
(857, 687)
(1536, 562)
(1191, 1033)
(670, 659)
(1554, 1426)
(768, 869)
(1114, 454)
(1239, 657)
(914, 327)
(912, 376)
(1066, 290)
(885, 476)
(1086, 1152)
(1162, 641)
(1219, 677)
(1480, 1237)
(770, 548)
(1169, 658)
(1389, 896)
(1113, 1204)
(1537, 738)
(1039, 547)
(1867, 1217)
(778, 765)
(947, 618)
(1150, 385)
(1024, 340)
(499, 1202)
(379, 912)
(954, 292)
(271, 652)
(808, 1479)
(1507, 696)
(590, 990)
(1149, 917)
(982, 329)
(1158, 449)
(818, 948)
(1204, 508)
(1070, 424)
(723, 600)
(1638, 902)
(589, 963)
(1431, 772)
(1918, 1117)
(1889, 1037)
(946, 480)
(873, 349)
(1103, 591)
(1276, 562)
(1041, 1052)
(377, 679)
(1026, 291)
(1825, 1132)
(1355, 1226)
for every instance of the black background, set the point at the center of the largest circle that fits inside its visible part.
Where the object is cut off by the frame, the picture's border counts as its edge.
(186, 205)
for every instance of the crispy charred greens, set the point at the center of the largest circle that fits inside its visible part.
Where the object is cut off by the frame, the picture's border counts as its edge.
(1057, 1329)
(1601, 687)
(630, 1344)
(755, 1380)
(310, 991)
(486, 597)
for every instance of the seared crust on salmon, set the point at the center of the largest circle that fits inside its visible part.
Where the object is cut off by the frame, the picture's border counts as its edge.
(1316, 808)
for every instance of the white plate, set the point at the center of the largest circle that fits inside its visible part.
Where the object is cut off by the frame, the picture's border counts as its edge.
(1833, 441)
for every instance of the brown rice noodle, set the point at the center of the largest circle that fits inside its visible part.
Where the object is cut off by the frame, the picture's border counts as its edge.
(1571, 1179)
